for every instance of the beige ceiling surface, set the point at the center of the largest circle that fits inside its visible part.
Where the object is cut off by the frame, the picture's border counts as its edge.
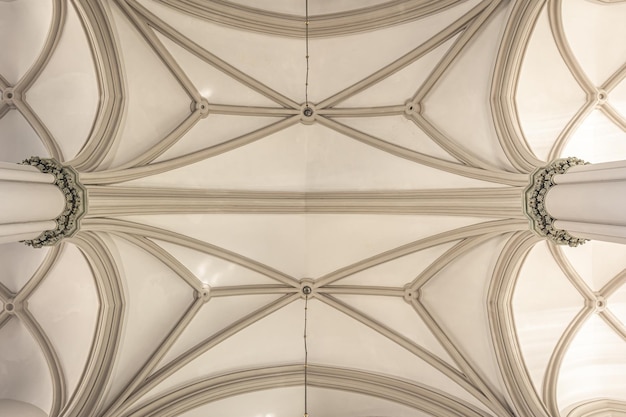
(212, 201)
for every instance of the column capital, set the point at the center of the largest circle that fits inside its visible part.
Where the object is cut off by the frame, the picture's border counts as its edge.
(66, 179)
(541, 180)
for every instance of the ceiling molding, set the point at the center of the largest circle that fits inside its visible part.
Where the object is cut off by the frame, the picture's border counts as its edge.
(524, 398)
(106, 201)
(506, 73)
(14, 97)
(100, 35)
(242, 17)
(89, 394)
(16, 306)
(212, 389)
(599, 408)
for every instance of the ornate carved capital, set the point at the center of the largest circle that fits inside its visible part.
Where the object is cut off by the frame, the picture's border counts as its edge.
(534, 202)
(75, 201)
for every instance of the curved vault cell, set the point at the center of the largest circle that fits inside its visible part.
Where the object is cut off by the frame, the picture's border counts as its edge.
(543, 294)
(24, 374)
(595, 32)
(14, 126)
(24, 27)
(547, 94)
(277, 340)
(66, 94)
(71, 324)
(594, 365)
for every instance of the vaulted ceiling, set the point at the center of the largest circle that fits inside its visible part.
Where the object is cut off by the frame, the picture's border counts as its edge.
(212, 200)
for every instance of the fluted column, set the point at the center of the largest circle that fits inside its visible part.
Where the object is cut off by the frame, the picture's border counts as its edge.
(40, 202)
(570, 201)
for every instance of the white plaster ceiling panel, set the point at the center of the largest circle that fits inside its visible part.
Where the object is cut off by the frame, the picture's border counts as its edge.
(214, 130)
(399, 316)
(156, 103)
(156, 298)
(308, 158)
(456, 298)
(599, 47)
(284, 402)
(617, 303)
(397, 272)
(19, 263)
(24, 374)
(548, 96)
(451, 105)
(617, 98)
(306, 245)
(597, 262)
(24, 26)
(402, 85)
(13, 125)
(212, 83)
(545, 303)
(401, 131)
(212, 270)
(20, 408)
(66, 307)
(594, 365)
(333, 67)
(336, 162)
(597, 139)
(218, 313)
(275, 163)
(68, 81)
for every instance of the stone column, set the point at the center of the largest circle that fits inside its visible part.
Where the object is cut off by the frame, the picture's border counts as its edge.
(570, 201)
(40, 202)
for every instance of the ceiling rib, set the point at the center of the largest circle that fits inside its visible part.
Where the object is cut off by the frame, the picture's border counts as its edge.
(505, 78)
(596, 97)
(390, 13)
(556, 26)
(59, 390)
(475, 202)
(116, 176)
(14, 96)
(421, 50)
(189, 355)
(434, 361)
(497, 226)
(525, 401)
(164, 257)
(109, 114)
(456, 150)
(590, 305)
(215, 388)
(498, 405)
(150, 365)
(91, 391)
(121, 226)
(20, 311)
(152, 20)
(500, 177)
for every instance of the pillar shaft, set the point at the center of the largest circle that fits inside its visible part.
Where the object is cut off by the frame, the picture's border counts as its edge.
(29, 204)
(41, 202)
(589, 201)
